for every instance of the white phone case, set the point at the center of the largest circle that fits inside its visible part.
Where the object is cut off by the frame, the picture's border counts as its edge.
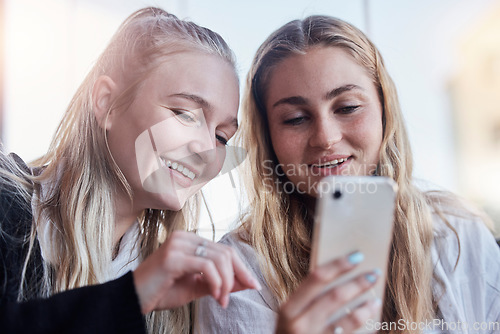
(355, 214)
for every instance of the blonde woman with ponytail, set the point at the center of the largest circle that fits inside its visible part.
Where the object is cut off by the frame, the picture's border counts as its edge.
(319, 101)
(112, 200)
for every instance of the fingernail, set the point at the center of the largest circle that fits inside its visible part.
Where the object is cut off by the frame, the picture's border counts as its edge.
(377, 272)
(377, 302)
(225, 301)
(356, 258)
(371, 278)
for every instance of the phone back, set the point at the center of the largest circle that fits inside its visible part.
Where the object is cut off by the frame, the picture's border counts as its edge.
(355, 214)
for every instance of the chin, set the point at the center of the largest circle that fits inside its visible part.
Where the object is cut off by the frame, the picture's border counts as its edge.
(169, 202)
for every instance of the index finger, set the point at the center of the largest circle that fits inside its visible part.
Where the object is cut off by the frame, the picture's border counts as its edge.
(244, 279)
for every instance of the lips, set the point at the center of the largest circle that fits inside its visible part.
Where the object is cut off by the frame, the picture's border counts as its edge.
(330, 165)
(330, 161)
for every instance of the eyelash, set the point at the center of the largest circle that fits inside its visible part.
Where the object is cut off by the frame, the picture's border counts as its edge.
(299, 120)
(349, 109)
(221, 139)
(187, 116)
(295, 121)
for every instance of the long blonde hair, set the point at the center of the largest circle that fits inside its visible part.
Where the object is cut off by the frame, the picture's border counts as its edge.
(278, 224)
(79, 204)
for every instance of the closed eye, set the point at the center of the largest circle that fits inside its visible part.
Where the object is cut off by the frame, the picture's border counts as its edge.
(221, 139)
(348, 109)
(187, 117)
(295, 120)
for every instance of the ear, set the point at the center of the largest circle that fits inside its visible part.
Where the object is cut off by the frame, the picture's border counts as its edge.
(103, 94)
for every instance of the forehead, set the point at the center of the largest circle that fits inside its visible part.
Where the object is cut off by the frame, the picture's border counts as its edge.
(194, 70)
(196, 74)
(317, 68)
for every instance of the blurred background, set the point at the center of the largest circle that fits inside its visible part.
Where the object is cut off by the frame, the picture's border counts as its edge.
(444, 57)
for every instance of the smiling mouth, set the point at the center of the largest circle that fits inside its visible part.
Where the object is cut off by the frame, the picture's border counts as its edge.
(178, 167)
(331, 164)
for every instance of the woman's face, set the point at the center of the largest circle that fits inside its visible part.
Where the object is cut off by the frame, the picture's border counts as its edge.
(171, 140)
(325, 117)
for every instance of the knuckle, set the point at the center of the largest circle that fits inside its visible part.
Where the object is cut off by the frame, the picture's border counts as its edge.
(207, 266)
(210, 265)
(225, 254)
(336, 295)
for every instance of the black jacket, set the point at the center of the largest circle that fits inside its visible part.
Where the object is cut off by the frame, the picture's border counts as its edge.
(111, 307)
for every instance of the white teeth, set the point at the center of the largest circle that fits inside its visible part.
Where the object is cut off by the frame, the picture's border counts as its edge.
(178, 167)
(332, 163)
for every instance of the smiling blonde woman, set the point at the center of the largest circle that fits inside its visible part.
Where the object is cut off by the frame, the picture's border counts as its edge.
(319, 101)
(114, 194)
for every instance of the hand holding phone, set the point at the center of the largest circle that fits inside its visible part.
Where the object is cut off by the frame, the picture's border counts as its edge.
(355, 214)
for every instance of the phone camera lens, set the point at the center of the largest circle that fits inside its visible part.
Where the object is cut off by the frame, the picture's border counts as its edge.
(337, 194)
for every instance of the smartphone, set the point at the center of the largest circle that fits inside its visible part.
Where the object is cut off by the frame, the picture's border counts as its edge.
(355, 213)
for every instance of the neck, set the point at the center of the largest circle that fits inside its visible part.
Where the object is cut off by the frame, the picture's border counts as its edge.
(125, 215)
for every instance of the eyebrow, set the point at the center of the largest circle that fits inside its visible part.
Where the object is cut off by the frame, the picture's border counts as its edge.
(195, 98)
(293, 100)
(342, 89)
(300, 100)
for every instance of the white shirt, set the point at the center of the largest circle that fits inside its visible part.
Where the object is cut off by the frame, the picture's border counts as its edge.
(471, 293)
(127, 258)
(128, 253)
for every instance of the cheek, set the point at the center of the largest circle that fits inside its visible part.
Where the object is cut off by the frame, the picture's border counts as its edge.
(290, 159)
(122, 149)
(168, 133)
(370, 135)
(218, 165)
(284, 145)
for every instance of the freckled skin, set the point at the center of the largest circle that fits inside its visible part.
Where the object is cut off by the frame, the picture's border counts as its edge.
(323, 105)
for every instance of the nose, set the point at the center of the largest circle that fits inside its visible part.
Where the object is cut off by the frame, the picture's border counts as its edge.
(204, 146)
(325, 133)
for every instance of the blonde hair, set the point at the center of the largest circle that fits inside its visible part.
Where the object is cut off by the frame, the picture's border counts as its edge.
(278, 225)
(79, 205)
